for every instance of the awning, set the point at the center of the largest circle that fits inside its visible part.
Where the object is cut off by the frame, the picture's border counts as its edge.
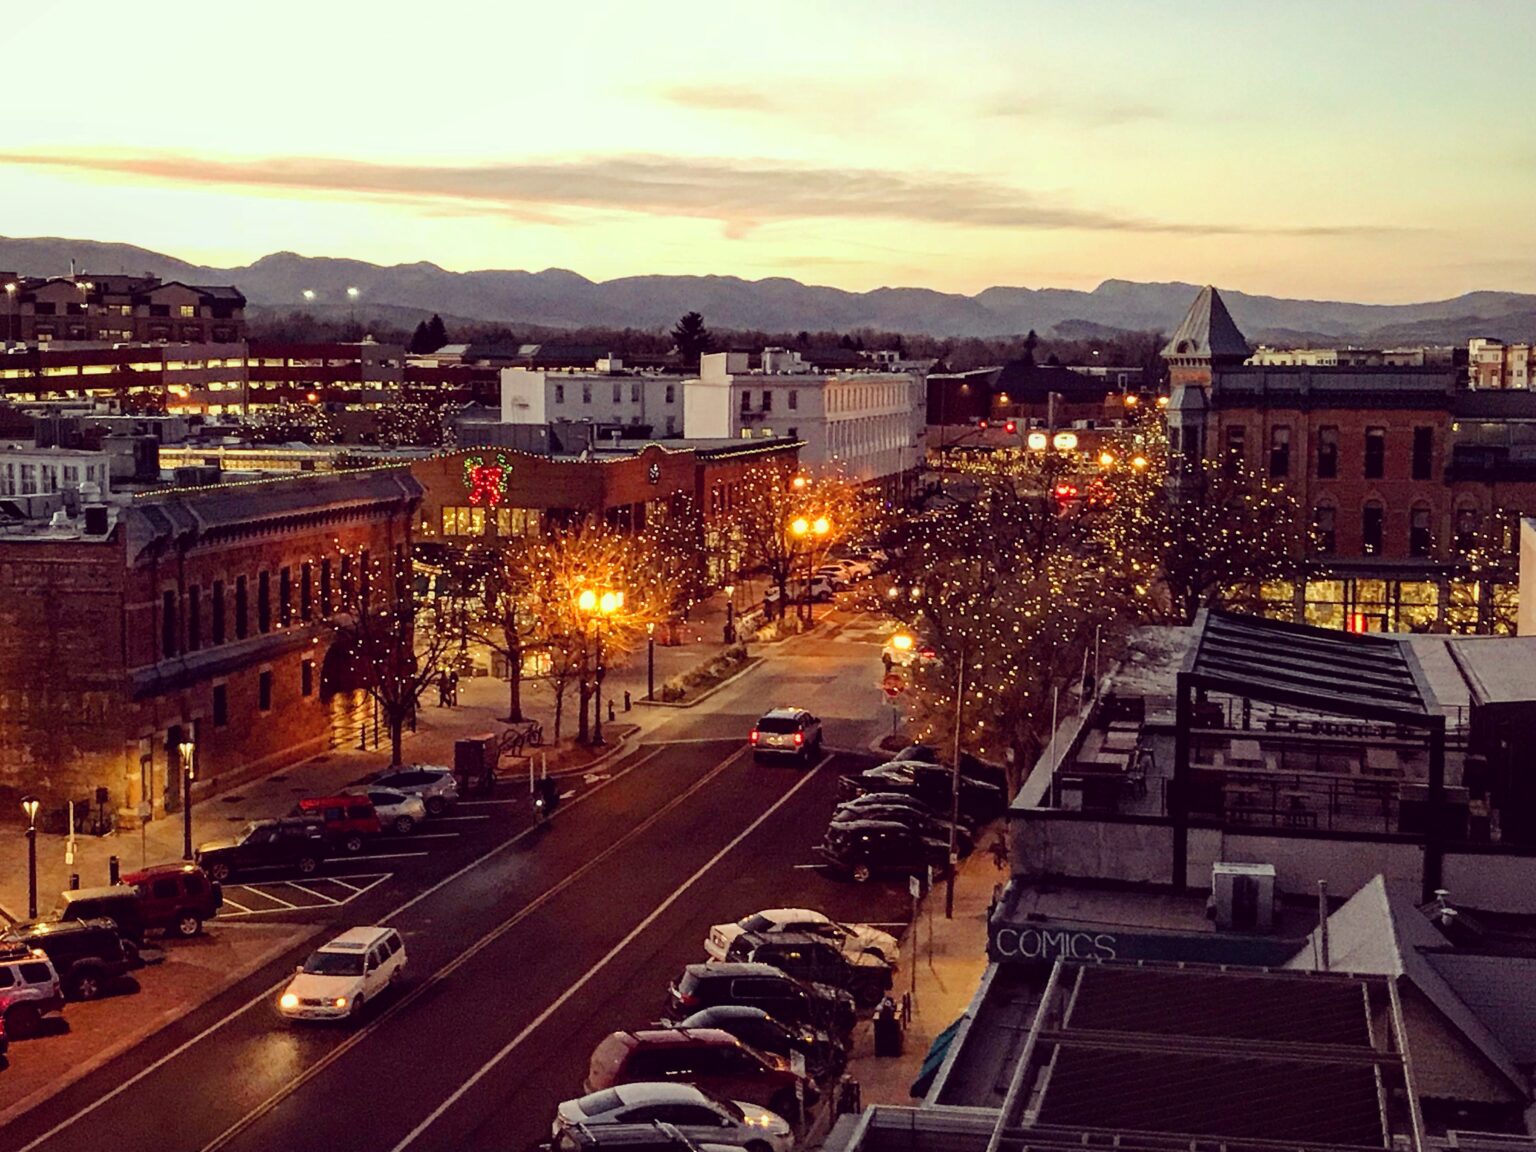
(935, 1058)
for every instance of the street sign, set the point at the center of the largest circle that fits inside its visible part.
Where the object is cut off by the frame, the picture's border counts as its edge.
(893, 685)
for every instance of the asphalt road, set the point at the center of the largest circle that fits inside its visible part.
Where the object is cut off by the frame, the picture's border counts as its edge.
(526, 945)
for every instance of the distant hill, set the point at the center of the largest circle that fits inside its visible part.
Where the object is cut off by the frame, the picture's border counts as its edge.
(557, 298)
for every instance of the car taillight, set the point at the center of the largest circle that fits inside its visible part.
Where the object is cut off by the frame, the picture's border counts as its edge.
(752, 739)
(799, 739)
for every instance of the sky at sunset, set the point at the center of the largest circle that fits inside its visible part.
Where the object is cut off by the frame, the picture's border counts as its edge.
(1377, 150)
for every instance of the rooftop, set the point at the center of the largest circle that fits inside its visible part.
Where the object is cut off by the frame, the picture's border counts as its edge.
(1207, 331)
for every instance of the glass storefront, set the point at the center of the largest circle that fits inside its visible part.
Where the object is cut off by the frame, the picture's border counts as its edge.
(1376, 605)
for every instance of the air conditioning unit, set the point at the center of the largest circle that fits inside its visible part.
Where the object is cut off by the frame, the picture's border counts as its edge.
(1243, 896)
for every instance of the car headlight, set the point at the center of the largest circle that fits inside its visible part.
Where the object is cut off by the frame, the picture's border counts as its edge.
(288, 1000)
(340, 1002)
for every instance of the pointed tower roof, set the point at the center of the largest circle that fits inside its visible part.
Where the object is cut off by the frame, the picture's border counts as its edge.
(1207, 331)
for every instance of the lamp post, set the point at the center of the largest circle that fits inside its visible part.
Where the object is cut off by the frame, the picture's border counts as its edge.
(954, 788)
(806, 530)
(185, 751)
(650, 661)
(29, 806)
(11, 307)
(598, 605)
(352, 294)
(730, 613)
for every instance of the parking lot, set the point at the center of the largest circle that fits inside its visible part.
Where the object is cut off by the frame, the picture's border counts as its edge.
(277, 896)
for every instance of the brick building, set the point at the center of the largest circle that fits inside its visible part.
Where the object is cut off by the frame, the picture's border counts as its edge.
(1402, 472)
(112, 308)
(187, 614)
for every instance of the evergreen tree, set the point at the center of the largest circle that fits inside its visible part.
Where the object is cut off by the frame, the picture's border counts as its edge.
(692, 338)
(1030, 343)
(437, 334)
(419, 339)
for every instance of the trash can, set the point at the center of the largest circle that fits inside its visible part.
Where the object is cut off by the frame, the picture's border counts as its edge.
(887, 1029)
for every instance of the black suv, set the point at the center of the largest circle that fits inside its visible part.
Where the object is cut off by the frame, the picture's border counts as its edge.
(296, 844)
(865, 848)
(89, 955)
(824, 1057)
(766, 987)
(929, 783)
(923, 823)
(816, 960)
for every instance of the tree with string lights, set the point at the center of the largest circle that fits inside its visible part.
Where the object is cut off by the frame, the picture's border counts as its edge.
(394, 649)
(292, 422)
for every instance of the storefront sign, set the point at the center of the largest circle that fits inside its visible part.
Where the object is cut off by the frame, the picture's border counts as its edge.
(1046, 941)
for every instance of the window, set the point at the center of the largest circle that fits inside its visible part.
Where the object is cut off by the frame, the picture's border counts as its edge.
(767, 400)
(746, 400)
(194, 618)
(1327, 453)
(325, 586)
(1423, 453)
(517, 522)
(1375, 453)
(306, 605)
(187, 311)
(618, 392)
(634, 392)
(559, 393)
(346, 579)
(307, 678)
(242, 613)
(1419, 542)
(586, 393)
(167, 625)
(218, 611)
(264, 602)
(1324, 535)
(264, 690)
(671, 425)
(1466, 529)
(794, 399)
(793, 433)
(285, 597)
(1370, 527)
(364, 575)
(220, 706)
(671, 393)
(1237, 443)
(1280, 450)
(463, 521)
(163, 889)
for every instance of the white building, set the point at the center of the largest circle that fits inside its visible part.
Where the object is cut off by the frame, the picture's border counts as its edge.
(27, 470)
(868, 424)
(608, 394)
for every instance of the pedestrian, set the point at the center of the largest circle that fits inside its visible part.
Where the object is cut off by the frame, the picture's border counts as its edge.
(453, 689)
(885, 658)
(442, 689)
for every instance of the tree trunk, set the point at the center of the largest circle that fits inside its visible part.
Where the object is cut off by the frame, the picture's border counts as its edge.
(583, 696)
(396, 737)
(559, 709)
(515, 684)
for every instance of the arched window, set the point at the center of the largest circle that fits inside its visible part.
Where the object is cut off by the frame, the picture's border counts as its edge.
(1420, 538)
(1324, 529)
(1467, 523)
(1372, 517)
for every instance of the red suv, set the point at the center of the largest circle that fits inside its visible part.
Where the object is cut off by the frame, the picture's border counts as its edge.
(708, 1058)
(176, 897)
(347, 820)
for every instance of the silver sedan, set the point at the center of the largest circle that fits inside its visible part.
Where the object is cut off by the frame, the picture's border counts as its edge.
(397, 810)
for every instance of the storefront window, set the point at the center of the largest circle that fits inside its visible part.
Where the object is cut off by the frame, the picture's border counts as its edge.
(1461, 609)
(1506, 606)
(463, 521)
(1418, 606)
(1325, 603)
(1277, 600)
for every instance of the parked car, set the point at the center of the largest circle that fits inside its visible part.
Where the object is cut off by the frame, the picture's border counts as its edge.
(866, 848)
(117, 903)
(698, 1114)
(341, 977)
(398, 810)
(349, 821)
(873, 800)
(971, 766)
(763, 986)
(706, 1057)
(434, 783)
(657, 1136)
(5, 1042)
(90, 956)
(177, 899)
(863, 976)
(786, 732)
(852, 939)
(923, 823)
(929, 783)
(824, 1057)
(265, 844)
(820, 590)
(29, 988)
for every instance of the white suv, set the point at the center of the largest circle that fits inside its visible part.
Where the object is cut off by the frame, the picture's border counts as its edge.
(786, 732)
(29, 989)
(340, 977)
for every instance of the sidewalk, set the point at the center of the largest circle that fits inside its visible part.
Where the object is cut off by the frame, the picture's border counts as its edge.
(951, 956)
(482, 705)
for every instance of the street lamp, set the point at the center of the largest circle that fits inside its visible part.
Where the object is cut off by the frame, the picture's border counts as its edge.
(599, 606)
(730, 613)
(11, 310)
(186, 749)
(650, 661)
(29, 806)
(804, 529)
(309, 295)
(352, 294)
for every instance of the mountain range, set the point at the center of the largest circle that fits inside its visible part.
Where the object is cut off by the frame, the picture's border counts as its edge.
(557, 298)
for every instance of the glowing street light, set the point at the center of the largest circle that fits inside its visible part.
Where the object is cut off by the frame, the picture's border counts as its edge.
(186, 750)
(309, 295)
(1139, 462)
(599, 606)
(902, 642)
(1106, 459)
(29, 807)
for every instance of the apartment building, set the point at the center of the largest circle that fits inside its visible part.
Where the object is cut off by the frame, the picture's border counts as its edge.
(608, 394)
(114, 308)
(1495, 364)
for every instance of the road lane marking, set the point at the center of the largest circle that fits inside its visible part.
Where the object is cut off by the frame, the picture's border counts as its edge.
(278, 899)
(476, 804)
(656, 913)
(389, 856)
(412, 837)
(266, 994)
(320, 896)
(464, 957)
(235, 904)
(450, 819)
(344, 884)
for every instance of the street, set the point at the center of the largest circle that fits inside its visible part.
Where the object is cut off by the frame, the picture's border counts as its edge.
(526, 943)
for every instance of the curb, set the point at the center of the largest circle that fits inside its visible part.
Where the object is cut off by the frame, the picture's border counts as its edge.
(624, 747)
(106, 1055)
(751, 663)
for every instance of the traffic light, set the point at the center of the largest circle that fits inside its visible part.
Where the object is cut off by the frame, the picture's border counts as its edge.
(1010, 427)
